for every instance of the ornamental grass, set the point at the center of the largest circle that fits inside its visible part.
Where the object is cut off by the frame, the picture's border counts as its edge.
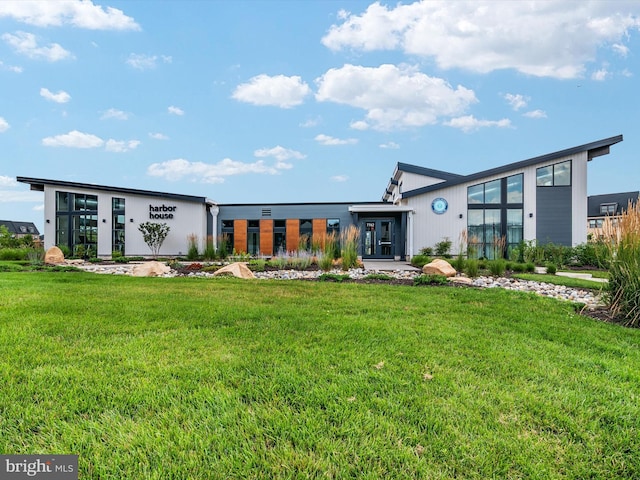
(622, 236)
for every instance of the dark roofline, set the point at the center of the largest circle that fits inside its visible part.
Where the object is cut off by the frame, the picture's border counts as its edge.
(266, 204)
(594, 149)
(15, 227)
(39, 183)
(427, 172)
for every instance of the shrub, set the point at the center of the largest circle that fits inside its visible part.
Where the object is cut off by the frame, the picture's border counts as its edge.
(443, 248)
(378, 276)
(13, 254)
(192, 250)
(551, 268)
(257, 265)
(427, 251)
(349, 239)
(430, 280)
(458, 263)
(222, 251)
(529, 267)
(472, 267)
(623, 291)
(325, 261)
(420, 261)
(497, 267)
(116, 254)
(518, 267)
(333, 277)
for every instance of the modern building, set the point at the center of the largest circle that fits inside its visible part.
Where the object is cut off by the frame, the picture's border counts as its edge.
(543, 198)
(610, 205)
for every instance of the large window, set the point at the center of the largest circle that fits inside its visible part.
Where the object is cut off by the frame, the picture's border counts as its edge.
(557, 175)
(118, 225)
(226, 236)
(306, 234)
(280, 237)
(494, 217)
(77, 223)
(253, 237)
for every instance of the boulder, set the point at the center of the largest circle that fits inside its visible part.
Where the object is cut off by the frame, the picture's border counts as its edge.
(54, 256)
(461, 280)
(150, 269)
(238, 269)
(439, 267)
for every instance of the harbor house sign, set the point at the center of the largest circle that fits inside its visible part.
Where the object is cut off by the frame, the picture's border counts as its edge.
(162, 212)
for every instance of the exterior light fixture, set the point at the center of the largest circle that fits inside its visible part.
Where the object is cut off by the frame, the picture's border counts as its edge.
(460, 216)
(531, 215)
(131, 220)
(104, 220)
(48, 221)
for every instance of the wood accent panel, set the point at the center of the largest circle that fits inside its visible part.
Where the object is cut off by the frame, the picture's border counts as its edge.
(266, 237)
(293, 234)
(319, 226)
(240, 235)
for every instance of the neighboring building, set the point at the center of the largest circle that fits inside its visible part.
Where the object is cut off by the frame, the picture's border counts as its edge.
(21, 229)
(543, 198)
(609, 205)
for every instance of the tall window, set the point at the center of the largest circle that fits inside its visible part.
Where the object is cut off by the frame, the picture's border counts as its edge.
(227, 235)
(77, 222)
(253, 237)
(306, 233)
(279, 237)
(118, 225)
(494, 216)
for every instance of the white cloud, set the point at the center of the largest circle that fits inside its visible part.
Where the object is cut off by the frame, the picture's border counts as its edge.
(27, 44)
(279, 91)
(469, 123)
(339, 178)
(4, 125)
(516, 101)
(10, 68)
(465, 34)
(73, 139)
(600, 75)
(279, 153)
(207, 172)
(77, 13)
(158, 136)
(6, 181)
(536, 114)
(620, 49)
(393, 97)
(391, 145)
(115, 114)
(121, 146)
(13, 196)
(312, 122)
(146, 62)
(175, 111)
(60, 97)
(327, 140)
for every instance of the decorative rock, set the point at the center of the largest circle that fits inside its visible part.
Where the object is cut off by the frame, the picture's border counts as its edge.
(461, 280)
(54, 256)
(238, 269)
(150, 269)
(439, 267)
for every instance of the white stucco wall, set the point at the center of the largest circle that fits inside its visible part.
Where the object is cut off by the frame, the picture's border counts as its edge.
(188, 218)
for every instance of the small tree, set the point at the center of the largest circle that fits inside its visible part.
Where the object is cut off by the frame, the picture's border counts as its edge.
(154, 235)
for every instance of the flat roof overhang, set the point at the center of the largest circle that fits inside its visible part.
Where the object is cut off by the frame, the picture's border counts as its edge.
(373, 208)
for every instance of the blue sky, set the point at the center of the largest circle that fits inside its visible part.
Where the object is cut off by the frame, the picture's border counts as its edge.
(307, 101)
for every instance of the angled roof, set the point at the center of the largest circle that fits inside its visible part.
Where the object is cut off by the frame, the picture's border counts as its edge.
(622, 200)
(20, 228)
(39, 183)
(427, 172)
(594, 149)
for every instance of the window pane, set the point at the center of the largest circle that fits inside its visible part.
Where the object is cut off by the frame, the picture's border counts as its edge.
(514, 225)
(254, 243)
(514, 189)
(475, 194)
(544, 176)
(62, 201)
(562, 173)
(227, 224)
(492, 191)
(118, 203)
(78, 202)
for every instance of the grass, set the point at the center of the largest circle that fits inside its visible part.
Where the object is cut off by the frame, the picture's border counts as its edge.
(156, 378)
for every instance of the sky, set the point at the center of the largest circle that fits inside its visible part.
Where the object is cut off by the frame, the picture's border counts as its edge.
(307, 101)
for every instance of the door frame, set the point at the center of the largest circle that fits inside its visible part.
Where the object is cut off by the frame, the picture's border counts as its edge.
(365, 223)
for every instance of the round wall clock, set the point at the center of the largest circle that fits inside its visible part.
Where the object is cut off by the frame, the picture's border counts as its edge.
(439, 205)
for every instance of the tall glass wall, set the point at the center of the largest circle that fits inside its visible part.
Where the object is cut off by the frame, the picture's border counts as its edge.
(118, 225)
(77, 223)
(494, 217)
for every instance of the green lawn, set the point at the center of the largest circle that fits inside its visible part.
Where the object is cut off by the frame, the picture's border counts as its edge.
(188, 378)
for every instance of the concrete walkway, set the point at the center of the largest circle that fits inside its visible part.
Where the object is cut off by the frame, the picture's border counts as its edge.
(583, 276)
(389, 266)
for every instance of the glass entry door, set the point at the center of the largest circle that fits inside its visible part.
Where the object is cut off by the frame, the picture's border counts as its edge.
(378, 238)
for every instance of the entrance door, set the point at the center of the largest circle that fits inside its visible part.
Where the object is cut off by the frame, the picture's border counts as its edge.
(378, 238)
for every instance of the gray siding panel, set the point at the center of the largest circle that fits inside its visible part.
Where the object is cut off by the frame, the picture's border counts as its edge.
(554, 215)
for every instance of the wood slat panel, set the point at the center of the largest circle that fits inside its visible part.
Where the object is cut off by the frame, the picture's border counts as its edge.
(240, 235)
(319, 231)
(293, 234)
